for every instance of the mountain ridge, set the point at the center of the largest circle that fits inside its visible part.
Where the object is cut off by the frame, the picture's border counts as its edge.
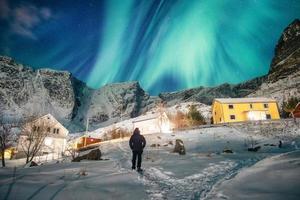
(25, 91)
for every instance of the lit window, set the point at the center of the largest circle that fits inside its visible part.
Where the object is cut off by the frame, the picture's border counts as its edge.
(48, 141)
(266, 105)
(232, 117)
(230, 106)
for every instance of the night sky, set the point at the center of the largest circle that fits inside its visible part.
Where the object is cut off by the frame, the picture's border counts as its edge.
(165, 45)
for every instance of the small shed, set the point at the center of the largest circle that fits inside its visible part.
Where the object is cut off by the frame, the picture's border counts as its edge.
(296, 112)
(85, 141)
(153, 123)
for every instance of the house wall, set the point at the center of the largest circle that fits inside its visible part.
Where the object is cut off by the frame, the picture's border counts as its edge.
(54, 142)
(217, 113)
(240, 110)
(147, 126)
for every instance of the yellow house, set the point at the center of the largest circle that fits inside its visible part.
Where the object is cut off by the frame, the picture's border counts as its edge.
(244, 109)
(9, 153)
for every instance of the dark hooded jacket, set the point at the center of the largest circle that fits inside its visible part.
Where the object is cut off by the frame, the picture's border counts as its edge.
(137, 142)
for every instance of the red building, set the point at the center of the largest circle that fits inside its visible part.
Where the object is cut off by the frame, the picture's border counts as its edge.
(296, 111)
(86, 141)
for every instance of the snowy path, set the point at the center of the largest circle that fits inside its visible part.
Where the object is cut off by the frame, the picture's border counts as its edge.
(162, 184)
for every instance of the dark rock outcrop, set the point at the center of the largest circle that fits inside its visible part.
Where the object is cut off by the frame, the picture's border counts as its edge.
(92, 155)
(287, 53)
(179, 147)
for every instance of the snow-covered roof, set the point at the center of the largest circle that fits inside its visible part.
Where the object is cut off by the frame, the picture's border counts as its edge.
(146, 117)
(245, 100)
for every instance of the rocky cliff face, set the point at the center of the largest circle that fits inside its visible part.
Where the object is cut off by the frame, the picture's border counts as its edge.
(287, 53)
(283, 80)
(112, 103)
(207, 94)
(25, 92)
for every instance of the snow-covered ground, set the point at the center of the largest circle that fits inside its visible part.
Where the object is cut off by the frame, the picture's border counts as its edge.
(205, 172)
(273, 178)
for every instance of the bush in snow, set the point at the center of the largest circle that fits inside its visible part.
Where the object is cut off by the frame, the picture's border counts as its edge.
(194, 116)
(288, 106)
(117, 133)
(179, 120)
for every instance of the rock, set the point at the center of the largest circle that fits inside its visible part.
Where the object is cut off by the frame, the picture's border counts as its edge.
(92, 155)
(31, 164)
(179, 147)
(254, 149)
(154, 145)
(227, 151)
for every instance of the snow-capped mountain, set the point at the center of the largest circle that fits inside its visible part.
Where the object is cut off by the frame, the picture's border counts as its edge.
(111, 103)
(25, 91)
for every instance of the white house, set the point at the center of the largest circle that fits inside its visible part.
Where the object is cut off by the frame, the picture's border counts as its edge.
(153, 123)
(54, 136)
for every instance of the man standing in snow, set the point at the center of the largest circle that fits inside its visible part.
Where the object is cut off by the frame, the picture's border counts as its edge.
(137, 143)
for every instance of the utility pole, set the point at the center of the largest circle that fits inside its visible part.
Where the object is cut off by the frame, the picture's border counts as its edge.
(87, 125)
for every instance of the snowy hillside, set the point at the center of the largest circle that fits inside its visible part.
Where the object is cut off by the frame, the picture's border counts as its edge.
(205, 110)
(167, 175)
(113, 103)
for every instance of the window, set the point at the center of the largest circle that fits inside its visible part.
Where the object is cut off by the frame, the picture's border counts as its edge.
(266, 105)
(232, 117)
(48, 129)
(57, 130)
(54, 130)
(38, 128)
(251, 106)
(215, 113)
(230, 106)
(220, 119)
(34, 128)
(268, 116)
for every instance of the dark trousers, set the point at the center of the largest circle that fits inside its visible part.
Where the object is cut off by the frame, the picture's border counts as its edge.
(137, 154)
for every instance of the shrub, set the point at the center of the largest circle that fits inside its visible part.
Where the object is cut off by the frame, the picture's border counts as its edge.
(288, 106)
(179, 120)
(194, 116)
(117, 133)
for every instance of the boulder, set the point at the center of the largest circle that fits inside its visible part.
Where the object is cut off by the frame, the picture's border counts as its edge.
(92, 155)
(179, 147)
(254, 149)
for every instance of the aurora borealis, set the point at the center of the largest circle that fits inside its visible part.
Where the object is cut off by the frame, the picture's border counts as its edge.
(166, 45)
